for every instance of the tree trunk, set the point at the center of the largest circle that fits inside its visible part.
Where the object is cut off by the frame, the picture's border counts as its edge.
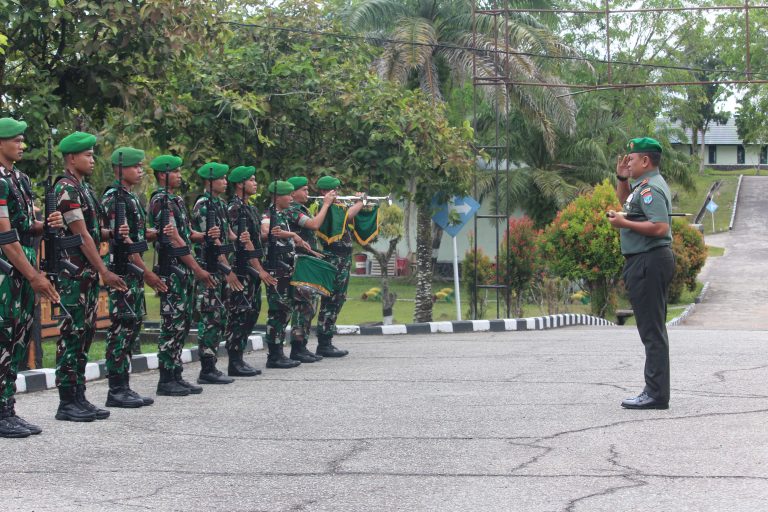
(701, 150)
(387, 298)
(423, 309)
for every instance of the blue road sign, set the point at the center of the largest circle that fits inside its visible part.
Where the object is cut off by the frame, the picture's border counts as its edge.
(465, 207)
(711, 206)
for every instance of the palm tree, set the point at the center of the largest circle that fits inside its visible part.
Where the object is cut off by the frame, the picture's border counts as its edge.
(431, 44)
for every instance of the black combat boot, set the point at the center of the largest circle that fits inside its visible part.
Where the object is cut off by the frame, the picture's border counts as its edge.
(194, 389)
(9, 427)
(118, 395)
(70, 409)
(169, 386)
(127, 381)
(33, 429)
(101, 414)
(276, 358)
(316, 356)
(209, 374)
(300, 353)
(239, 368)
(326, 349)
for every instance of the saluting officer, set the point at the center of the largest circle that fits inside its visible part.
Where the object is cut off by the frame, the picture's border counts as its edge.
(646, 236)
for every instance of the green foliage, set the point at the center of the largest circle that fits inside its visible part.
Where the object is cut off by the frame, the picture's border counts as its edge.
(690, 256)
(519, 259)
(480, 270)
(582, 246)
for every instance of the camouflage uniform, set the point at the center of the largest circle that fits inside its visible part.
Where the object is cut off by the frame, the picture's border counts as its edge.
(17, 299)
(79, 293)
(338, 254)
(304, 298)
(241, 322)
(124, 330)
(208, 302)
(280, 298)
(177, 304)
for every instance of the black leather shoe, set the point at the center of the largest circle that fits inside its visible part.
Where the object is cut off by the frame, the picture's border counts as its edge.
(145, 399)
(643, 401)
(118, 395)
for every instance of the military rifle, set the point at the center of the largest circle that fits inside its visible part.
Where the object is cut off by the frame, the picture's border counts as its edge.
(122, 250)
(167, 253)
(243, 268)
(211, 250)
(55, 259)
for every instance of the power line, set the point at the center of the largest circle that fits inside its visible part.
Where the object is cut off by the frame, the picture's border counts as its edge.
(385, 40)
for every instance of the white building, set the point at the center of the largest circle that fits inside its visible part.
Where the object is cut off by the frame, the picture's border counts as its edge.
(723, 149)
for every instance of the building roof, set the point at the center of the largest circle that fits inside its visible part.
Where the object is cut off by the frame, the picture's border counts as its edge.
(717, 134)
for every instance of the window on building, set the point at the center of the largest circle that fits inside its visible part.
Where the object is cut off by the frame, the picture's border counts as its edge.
(739, 154)
(764, 155)
(713, 154)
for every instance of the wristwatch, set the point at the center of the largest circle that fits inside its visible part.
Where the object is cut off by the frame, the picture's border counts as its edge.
(621, 178)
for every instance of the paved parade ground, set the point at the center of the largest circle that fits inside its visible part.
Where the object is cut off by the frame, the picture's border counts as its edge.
(522, 421)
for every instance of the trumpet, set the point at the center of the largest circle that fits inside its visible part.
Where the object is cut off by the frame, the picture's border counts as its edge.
(365, 198)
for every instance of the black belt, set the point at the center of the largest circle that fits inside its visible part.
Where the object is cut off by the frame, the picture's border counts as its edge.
(646, 252)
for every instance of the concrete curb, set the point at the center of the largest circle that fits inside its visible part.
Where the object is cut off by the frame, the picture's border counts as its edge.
(735, 203)
(680, 319)
(45, 378)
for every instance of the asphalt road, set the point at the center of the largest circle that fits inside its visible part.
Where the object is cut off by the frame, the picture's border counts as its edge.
(738, 295)
(519, 421)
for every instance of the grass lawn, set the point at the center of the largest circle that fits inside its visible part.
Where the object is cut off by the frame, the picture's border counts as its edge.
(691, 201)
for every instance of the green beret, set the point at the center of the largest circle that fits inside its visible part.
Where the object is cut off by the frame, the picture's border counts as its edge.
(77, 143)
(165, 163)
(644, 145)
(298, 182)
(10, 128)
(240, 174)
(328, 183)
(131, 156)
(212, 171)
(283, 188)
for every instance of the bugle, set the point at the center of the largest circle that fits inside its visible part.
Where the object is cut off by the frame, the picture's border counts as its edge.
(365, 198)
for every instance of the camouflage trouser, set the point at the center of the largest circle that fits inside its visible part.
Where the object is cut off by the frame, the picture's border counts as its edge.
(303, 312)
(124, 330)
(176, 309)
(280, 302)
(17, 304)
(331, 306)
(212, 319)
(80, 296)
(241, 323)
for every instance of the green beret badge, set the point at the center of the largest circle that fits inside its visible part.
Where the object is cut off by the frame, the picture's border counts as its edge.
(644, 145)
